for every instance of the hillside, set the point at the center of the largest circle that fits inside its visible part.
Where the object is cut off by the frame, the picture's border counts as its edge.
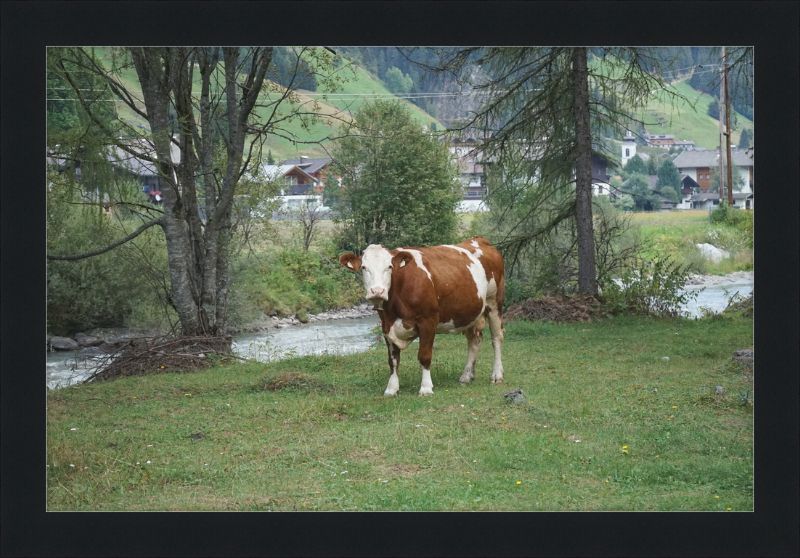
(360, 85)
(688, 123)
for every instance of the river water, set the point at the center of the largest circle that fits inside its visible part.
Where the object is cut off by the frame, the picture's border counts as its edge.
(345, 336)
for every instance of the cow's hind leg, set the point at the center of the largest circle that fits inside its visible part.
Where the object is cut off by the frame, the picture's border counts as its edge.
(496, 327)
(394, 361)
(474, 337)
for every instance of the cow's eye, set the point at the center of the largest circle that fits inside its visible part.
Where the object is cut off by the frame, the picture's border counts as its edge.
(363, 267)
(391, 266)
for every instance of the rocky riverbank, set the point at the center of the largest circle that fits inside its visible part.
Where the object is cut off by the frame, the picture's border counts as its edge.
(103, 341)
(269, 322)
(108, 340)
(711, 280)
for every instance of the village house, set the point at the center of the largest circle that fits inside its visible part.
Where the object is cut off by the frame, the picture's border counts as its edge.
(699, 165)
(471, 164)
(298, 188)
(660, 140)
(318, 168)
(473, 182)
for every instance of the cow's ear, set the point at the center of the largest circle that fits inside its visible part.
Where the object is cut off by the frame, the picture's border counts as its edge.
(350, 261)
(401, 259)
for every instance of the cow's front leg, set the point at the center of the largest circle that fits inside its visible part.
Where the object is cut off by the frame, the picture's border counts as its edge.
(425, 355)
(394, 362)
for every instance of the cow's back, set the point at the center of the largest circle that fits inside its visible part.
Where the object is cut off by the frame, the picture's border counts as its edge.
(452, 282)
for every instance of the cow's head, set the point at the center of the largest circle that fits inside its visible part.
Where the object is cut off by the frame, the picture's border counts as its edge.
(376, 265)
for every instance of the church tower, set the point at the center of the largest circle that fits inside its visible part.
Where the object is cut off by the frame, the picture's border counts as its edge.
(628, 148)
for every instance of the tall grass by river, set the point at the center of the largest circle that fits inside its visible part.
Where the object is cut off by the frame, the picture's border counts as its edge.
(315, 433)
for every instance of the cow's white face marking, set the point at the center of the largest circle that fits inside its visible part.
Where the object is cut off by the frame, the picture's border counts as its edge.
(376, 270)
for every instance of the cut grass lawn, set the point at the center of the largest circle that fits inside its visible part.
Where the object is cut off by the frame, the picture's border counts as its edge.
(315, 433)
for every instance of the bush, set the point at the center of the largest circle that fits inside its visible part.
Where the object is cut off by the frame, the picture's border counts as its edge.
(101, 291)
(726, 214)
(288, 282)
(653, 288)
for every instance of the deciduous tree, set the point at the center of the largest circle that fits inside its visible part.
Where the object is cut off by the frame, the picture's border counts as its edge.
(399, 185)
(194, 101)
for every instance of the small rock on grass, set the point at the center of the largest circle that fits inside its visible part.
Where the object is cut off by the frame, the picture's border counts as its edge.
(515, 396)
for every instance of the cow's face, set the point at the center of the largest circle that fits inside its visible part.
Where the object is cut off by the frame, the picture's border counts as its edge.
(376, 267)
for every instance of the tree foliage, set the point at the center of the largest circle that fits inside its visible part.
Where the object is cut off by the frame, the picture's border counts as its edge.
(531, 124)
(644, 198)
(399, 183)
(398, 83)
(635, 165)
(196, 102)
(669, 180)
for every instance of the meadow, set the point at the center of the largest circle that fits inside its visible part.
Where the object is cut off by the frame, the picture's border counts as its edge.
(608, 425)
(676, 234)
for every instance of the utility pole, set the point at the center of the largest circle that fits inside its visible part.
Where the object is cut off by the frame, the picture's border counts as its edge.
(721, 134)
(728, 126)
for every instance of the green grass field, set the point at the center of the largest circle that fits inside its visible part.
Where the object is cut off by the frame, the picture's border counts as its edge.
(315, 433)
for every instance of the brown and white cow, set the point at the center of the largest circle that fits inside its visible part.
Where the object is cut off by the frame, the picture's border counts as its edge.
(420, 292)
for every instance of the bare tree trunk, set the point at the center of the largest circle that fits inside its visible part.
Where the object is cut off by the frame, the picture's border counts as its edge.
(587, 280)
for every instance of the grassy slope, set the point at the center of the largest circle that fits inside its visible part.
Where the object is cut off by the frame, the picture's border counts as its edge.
(686, 123)
(681, 120)
(331, 445)
(360, 82)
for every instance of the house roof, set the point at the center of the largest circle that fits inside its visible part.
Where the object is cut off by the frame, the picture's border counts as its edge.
(694, 159)
(688, 183)
(283, 170)
(659, 136)
(309, 165)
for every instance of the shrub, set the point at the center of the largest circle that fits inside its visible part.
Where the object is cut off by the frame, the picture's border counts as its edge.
(651, 287)
(288, 282)
(726, 214)
(100, 291)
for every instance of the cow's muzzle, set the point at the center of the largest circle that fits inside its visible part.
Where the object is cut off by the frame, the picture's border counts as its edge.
(377, 296)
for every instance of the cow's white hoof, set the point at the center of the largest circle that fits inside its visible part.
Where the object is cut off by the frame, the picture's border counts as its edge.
(497, 380)
(389, 392)
(464, 380)
(426, 391)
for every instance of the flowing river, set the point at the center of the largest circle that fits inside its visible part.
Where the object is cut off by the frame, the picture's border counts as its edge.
(344, 336)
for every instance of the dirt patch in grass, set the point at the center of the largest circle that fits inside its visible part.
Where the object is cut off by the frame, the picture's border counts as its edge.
(399, 470)
(560, 309)
(292, 381)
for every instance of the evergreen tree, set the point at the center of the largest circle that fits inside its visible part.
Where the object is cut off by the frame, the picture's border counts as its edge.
(542, 129)
(744, 139)
(398, 83)
(652, 165)
(669, 180)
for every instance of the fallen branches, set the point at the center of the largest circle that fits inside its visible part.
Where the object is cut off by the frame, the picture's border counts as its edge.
(162, 354)
(563, 309)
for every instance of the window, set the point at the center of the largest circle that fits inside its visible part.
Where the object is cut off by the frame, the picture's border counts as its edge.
(627, 152)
